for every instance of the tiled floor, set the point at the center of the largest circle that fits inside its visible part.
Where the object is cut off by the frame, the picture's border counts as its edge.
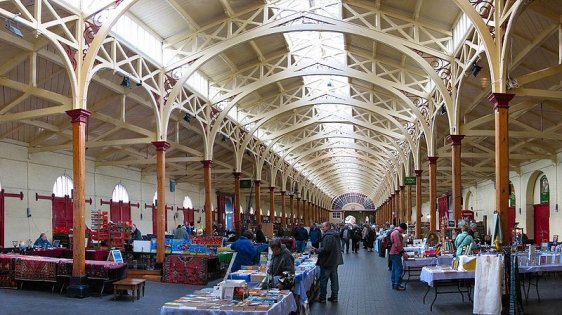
(365, 289)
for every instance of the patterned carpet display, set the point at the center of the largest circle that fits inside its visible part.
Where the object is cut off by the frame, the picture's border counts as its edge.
(35, 270)
(7, 273)
(185, 269)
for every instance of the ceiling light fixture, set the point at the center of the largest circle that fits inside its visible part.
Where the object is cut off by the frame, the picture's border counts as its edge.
(12, 26)
(126, 82)
(475, 68)
(187, 118)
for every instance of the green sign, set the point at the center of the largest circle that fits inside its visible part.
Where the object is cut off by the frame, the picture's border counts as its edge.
(410, 180)
(245, 183)
(545, 190)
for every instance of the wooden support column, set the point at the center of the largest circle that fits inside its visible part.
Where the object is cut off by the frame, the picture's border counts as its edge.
(409, 204)
(393, 209)
(432, 193)
(455, 141)
(79, 118)
(418, 203)
(403, 204)
(161, 147)
(207, 164)
(237, 218)
(272, 205)
(292, 208)
(501, 112)
(257, 211)
(298, 217)
(283, 212)
(310, 212)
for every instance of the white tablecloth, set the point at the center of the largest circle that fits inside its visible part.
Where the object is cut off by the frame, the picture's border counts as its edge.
(428, 261)
(308, 277)
(283, 307)
(432, 274)
(540, 268)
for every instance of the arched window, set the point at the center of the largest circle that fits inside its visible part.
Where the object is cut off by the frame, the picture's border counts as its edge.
(120, 193)
(187, 203)
(120, 208)
(63, 186)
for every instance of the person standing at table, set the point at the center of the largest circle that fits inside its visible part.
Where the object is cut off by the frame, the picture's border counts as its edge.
(181, 233)
(315, 234)
(281, 261)
(42, 241)
(396, 254)
(245, 251)
(136, 234)
(329, 258)
(463, 240)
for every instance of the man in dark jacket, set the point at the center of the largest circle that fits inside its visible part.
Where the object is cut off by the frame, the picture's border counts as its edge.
(281, 261)
(329, 258)
(301, 236)
(315, 234)
(260, 237)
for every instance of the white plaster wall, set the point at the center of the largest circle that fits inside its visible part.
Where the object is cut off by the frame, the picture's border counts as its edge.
(37, 172)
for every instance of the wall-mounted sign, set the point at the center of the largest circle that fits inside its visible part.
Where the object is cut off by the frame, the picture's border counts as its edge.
(410, 180)
(245, 183)
(545, 190)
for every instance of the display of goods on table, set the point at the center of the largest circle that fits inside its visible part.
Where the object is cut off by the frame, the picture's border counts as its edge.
(258, 300)
(186, 269)
(37, 269)
(208, 240)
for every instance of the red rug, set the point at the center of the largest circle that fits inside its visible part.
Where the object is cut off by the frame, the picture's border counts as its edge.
(185, 269)
(36, 270)
(7, 274)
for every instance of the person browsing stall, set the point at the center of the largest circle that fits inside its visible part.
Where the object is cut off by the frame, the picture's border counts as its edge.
(329, 259)
(42, 241)
(245, 251)
(396, 254)
(282, 260)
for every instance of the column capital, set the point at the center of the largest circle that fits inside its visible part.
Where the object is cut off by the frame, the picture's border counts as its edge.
(207, 163)
(298, 198)
(271, 188)
(161, 145)
(397, 191)
(432, 159)
(257, 181)
(402, 187)
(282, 192)
(455, 139)
(500, 100)
(418, 173)
(78, 115)
(236, 174)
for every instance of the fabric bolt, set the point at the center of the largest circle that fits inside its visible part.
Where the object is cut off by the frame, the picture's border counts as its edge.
(487, 285)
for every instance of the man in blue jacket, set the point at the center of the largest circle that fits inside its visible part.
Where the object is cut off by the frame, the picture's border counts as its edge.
(245, 251)
(315, 234)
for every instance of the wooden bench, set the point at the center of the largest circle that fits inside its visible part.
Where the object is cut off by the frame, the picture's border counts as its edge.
(135, 285)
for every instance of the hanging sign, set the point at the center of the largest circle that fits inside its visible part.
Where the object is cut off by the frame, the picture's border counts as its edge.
(545, 190)
(410, 180)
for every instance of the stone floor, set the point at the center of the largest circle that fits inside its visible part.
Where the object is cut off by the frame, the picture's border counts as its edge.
(364, 289)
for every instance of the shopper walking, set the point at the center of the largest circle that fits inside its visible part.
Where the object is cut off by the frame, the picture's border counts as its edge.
(345, 235)
(329, 258)
(355, 238)
(396, 254)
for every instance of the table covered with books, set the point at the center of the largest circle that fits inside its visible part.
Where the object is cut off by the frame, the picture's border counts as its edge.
(252, 301)
(306, 272)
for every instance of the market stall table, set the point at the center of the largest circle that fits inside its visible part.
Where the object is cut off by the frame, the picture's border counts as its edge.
(413, 266)
(440, 276)
(534, 272)
(204, 303)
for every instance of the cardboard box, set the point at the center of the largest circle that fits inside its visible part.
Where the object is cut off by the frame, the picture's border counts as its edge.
(257, 277)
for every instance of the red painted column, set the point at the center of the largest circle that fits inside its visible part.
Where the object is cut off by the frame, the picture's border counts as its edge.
(455, 141)
(418, 203)
(207, 164)
(79, 118)
(161, 147)
(258, 201)
(432, 193)
(272, 205)
(292, 208)
(237, 218)
(283, 212)
(501, 112)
